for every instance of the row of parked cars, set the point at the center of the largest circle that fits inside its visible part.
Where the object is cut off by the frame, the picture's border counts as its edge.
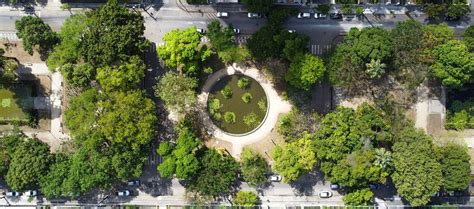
(11, 194)
(303, 15)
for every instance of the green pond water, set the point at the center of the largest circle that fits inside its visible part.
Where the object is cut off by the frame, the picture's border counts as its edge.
(237, 105)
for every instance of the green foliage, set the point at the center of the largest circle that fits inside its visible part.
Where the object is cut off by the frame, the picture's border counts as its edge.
(295, 48)
(455, 166)
(262, 6)
(113, 33)
(167, 168)
(229, 117)
(247, 97)
(434, 10)
(359, 10)
(375, 69)
(457, 11)
(177, 91)
(347, 65)
(127, 119)
(51, 184)
(235, 54)
(323, 8)
(67, 51)
(417, 173)
(251, 120)
(305, 72)
(246, 199)
(217, 174)
(164, 149)
(454, 63)
(208, 70)
(29, 161)
(78, 75)
(80, 116)
(124, 77)
(9, 141)
(219, 37)
(253, 167)
(35, 33)
(8, 72)
(243, 83)
(468, 36)
(346, 9)
(358, 198)
(296, 124)
(460, 115)
(262, 105)
(407, 38)
(433, 36)
(294, 159)
(65, 6)
(214, 108)
(227, 92)
(183, 50)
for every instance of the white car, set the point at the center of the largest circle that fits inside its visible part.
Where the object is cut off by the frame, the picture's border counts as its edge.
(325, 194)
(12, 194)
(133, 183)
(123, 193)
(31, 193)
(320, 16)
(254, 15)
(304, 15)
(222, 14)
(201, 30)
(236, 30)
(291, 31)
(275, 178)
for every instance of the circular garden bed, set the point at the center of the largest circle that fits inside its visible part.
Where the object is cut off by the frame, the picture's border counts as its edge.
(237, 104)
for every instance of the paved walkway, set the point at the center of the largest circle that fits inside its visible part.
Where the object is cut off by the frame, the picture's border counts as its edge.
(276, 106)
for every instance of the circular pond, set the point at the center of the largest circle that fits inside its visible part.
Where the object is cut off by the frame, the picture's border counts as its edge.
(237, 104)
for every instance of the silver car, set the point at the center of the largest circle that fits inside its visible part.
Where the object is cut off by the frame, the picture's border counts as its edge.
(254, 15)
(12, 194)
(325, 194)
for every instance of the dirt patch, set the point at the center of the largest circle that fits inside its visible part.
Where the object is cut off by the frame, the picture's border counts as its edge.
(217, 143)
(15, 49)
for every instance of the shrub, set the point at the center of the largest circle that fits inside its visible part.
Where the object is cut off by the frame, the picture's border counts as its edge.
(262, 105)
(208, 70)
(247, 97)
(214, 106)
(251, 120)
(460, 115)
(243, 83)
(227, 92)
(229, 117)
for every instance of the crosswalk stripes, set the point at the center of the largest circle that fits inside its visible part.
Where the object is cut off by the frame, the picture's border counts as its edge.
(242, 39)
(10, 36)
(153, 159)
(320, 49)
(211, 16)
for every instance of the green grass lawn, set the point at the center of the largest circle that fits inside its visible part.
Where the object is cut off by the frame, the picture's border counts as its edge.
(15, 103)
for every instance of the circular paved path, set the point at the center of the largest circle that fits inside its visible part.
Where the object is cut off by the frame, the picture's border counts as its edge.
(276, 106)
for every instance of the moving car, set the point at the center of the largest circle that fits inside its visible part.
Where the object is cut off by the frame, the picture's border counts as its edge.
(335, 16)
(12, 194)
(124, 193)
(291, 31)
(275, 178)
(31, 193)
(320, 16)
(325, 194)
(236, 30)
(304, 15)
(254, 15)
(133, 183)
(201, 30)
(222, 14)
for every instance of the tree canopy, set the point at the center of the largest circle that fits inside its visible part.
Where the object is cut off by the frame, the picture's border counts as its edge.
(183, 50)
(468, 36)
(417, 175)
(35, 33)
(177, 91)
(455, 166)
(294, 159)
(359, 198)
(246, 199)
(454, 64)
(305, 71)
(253, 167)
(124, 77)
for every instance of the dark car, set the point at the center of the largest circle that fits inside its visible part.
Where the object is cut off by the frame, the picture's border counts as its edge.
(448, 18)
(29, 9)
(336, 16)
(334, 186)
(133, 183)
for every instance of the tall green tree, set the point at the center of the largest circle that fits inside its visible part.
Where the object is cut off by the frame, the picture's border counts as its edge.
(246, 199)
(305, 71)
(455, 166)
(126, 76)
(361, 197)
(78, 75)
(433, 36)
(9, 141)
(454, 64)
(468, 36)
(29, 162)
(294, 159)
(221, 38)
(417, 175)
(253, 167)
(177, 91)
(80, 116)
(113, 33)
(35, 33)
(183, 50)
(52, 184)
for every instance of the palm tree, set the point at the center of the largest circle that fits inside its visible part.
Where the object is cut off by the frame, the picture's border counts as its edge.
(375, 68)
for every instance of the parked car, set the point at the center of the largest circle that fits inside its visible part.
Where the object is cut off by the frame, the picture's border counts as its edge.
(275, 178)
(304, 15)
(12, 194)
(254, 15)
(31, 193)
(325, 194)
(349, 17)
(320, 16)
(124, 193)
(222, 14)
(201, 30)
(133, 183)
(28, 10)
(373, 186)
(291, 31)
(335, 16)
(236, 30)
(334, 186)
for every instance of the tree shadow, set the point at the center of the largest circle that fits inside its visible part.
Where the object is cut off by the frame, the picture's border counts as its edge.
(304, 185)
